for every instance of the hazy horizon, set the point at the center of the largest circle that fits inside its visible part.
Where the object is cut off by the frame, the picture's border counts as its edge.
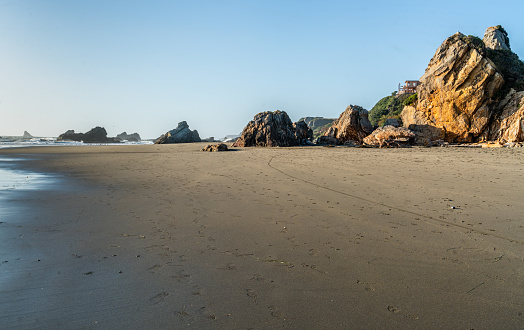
(144, 66)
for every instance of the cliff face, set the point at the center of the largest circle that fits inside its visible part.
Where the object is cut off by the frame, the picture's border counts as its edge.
(459, 99)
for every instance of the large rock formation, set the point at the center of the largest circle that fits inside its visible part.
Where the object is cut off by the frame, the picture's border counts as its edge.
(95, 135)
(465, 94)
(181, 134)
(134, 137)
(273, 129)
(352, 125)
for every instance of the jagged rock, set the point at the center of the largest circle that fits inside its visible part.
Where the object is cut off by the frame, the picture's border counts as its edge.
(95, 135)
(303, 134)
(216, 147)
(353, 124)
(271, 129)
(390, 136)
(465, 97)
(134, 137)
(27, 135)
(496, 38)
(181, 134)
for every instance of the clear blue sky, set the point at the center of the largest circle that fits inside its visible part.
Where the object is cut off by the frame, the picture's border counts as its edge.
(143, 66)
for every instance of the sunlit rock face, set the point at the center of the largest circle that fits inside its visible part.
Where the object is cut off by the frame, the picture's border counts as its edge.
(464, 96)
(352, 125)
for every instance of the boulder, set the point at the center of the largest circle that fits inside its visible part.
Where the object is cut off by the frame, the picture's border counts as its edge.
(390, 136)
(273, 129)
(95, 135)
(134, 137)
(216, 147)
(352, 125)
(467, 92)
(181, 134)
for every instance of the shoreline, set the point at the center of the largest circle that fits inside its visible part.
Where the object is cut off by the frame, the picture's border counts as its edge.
(168, 236)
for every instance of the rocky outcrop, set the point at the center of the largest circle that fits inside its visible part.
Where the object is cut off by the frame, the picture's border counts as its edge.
(303, 133)
(27, 135)
(134, 137)
(352, 125)
(463, 95)
(496, 38)
(216, 147)
(181, 134)
(272, 129)
(95, 135)
(390, 136)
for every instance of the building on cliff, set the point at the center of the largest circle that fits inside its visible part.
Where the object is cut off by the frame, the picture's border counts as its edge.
(410, 87)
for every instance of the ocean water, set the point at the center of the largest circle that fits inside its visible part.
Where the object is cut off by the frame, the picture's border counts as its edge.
(14, 178)
(18, 141)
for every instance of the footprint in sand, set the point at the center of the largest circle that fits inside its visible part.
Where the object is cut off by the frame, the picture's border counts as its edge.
(159, 297)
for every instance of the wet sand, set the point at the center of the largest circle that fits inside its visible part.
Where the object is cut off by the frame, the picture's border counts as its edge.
(166, 236)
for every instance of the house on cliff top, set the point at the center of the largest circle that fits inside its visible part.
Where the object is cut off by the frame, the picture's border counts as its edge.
(410, 87)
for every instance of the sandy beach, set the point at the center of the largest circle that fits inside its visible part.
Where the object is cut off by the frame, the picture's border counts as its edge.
(167, 236)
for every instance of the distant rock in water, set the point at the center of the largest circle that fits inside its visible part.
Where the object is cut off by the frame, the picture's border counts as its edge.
(181, 134)
(273, 129)
(95, 135)
(27, 135)
(352, 125)
(134, 137)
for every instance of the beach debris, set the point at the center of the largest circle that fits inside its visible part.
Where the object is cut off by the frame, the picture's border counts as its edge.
(274, 129)
(216, 147)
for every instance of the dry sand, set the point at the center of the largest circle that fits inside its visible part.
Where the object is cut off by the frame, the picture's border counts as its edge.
(166, 236)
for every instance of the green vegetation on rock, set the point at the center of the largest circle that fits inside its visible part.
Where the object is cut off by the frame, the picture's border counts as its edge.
(411, 99)
(387, 107)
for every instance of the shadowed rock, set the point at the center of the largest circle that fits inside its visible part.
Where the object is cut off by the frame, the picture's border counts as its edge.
(95, 135)
(273, 129)
(181, 134)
